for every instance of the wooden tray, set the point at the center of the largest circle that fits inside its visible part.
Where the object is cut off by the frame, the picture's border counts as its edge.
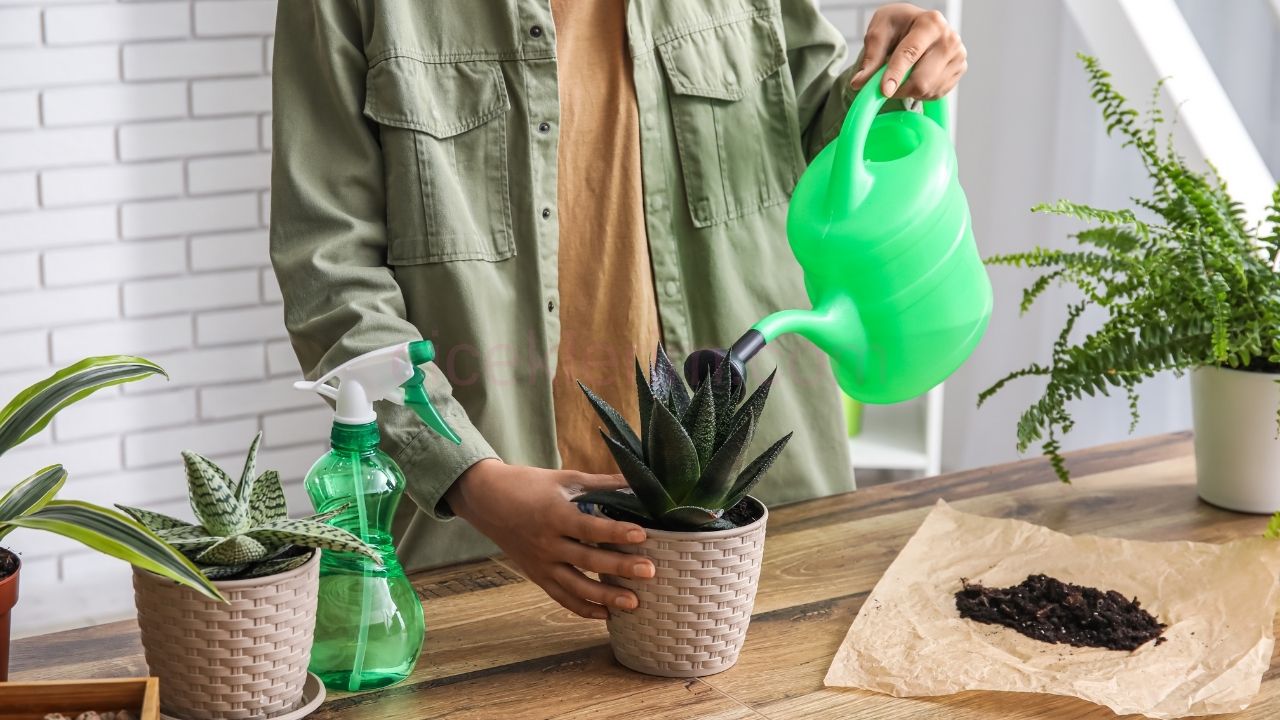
(32, 700)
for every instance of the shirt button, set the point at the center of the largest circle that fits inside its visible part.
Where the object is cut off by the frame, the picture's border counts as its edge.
(544, 127)
(535, 31)
(546, 213)
(551, 306)
(671, 288)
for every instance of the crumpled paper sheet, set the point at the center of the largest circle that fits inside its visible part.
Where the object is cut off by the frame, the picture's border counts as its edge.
(1219, 602)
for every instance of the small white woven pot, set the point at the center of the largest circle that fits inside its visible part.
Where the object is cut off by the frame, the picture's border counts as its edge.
(1237, 453)
(693, 614)
(243, 659)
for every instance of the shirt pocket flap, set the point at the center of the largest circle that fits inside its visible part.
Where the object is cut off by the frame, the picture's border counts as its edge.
(725, 61)
(442, 100)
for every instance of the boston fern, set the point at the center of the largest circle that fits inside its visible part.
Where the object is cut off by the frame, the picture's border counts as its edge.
(245, 530)
(1190, 284)
(686, 468)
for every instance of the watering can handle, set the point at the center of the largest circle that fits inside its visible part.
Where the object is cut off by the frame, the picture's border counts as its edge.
(850, 179)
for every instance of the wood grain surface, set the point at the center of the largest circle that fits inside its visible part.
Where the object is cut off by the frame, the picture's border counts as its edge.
(497, 647)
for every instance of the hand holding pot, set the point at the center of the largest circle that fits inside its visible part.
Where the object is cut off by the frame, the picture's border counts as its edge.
(526, 512)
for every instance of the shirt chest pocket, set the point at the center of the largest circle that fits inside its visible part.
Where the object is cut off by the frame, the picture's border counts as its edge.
(734, 111)
(443, 129)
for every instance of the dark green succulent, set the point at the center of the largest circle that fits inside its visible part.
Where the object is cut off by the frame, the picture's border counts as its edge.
(687, 467)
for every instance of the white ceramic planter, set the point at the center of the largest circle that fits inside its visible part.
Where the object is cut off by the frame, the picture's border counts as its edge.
(1237, 452)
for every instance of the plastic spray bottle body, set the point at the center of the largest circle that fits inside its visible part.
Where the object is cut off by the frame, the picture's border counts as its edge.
(369, 624)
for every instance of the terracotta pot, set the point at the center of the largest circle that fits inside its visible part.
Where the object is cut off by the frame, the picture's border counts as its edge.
(1237, 451)
(243, 659)
(694, 612)
(8, 598)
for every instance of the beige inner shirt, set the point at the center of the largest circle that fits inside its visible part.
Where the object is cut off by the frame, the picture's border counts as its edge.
(608, 311)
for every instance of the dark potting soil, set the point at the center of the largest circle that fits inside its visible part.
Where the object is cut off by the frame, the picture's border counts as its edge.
(744, 513)
(8, 563)
(1050, 610)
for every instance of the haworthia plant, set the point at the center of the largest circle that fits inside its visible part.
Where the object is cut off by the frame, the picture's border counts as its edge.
(31, 504)
(686, 467)
(243, 528)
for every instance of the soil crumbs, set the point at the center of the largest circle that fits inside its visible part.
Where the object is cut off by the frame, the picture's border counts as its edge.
(1049, 610)
(8, 563)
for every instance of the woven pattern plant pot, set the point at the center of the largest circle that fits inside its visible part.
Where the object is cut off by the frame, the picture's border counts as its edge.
(245, 659)
(693, 614)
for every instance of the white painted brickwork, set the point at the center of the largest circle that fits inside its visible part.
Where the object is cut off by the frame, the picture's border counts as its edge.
(134, 168)
(134, 162)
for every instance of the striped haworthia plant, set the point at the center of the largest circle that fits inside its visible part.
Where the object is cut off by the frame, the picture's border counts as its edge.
(31, 504)
(244, 529)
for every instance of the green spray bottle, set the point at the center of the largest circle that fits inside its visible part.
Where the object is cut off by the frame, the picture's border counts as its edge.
(369, 625)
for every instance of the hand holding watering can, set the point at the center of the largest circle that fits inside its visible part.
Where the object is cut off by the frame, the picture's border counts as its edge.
(881, 229)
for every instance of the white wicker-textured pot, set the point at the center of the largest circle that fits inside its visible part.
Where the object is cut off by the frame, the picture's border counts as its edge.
(1237, 452)
(243, 659)
(693, 614)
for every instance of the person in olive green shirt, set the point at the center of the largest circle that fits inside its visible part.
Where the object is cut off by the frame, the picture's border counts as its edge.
(414, 195)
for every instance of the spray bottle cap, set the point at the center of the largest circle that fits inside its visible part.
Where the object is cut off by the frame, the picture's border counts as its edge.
(391, 373)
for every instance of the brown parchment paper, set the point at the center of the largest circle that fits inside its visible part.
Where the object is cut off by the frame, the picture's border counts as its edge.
(1219, 602)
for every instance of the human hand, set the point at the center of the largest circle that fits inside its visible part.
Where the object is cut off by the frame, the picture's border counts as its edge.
(527, 512)
(916, 38)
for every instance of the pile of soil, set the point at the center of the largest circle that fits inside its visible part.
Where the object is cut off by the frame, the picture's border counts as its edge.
(1050, 610)
(8, 563)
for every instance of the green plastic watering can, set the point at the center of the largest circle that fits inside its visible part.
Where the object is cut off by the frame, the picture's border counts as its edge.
(881, 229)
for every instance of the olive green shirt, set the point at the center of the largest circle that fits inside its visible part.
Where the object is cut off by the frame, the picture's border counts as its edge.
(414, 195)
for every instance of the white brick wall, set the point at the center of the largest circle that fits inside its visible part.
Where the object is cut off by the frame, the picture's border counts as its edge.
(134, 163)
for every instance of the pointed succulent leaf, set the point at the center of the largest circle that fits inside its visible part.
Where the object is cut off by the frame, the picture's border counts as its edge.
(193, 546)
(304, 533)
(722, 394)
(676, 394)
(719, 475)
(186, 532)
(33, 408)
(266, 502)
(641, 479)
(644, 398)
(755, 404)
(234, 550)
(31, 494)
(276, 566)
(327, 516)
(700, 422)
(626, 502)
(614, 422)
(688, 516)
(156, 522)
(119, 536)
(672, 456)
(222, 572)
(212, 497)
(752, 474)
(245, 486)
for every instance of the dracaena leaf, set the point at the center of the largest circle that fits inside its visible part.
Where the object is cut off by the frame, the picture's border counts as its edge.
(1273, 527)
(718, 477)
(245, 487)
(625, 502)
(212, 498)
(156, 522)
(267, 502)
(641, 479)
(672, 456)
(234, 550)
(688, 516)
(614, 422)
(700, 422)
(674, 391)
(31, 494)
(752, 474)
(119, 536)
(32, 409)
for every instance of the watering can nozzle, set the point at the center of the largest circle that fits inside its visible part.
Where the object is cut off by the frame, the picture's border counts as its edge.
(701, 363)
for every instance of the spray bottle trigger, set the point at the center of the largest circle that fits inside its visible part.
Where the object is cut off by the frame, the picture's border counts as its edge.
(415, 396)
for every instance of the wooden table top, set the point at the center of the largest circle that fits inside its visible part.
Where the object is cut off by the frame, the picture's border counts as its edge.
(497, 647)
